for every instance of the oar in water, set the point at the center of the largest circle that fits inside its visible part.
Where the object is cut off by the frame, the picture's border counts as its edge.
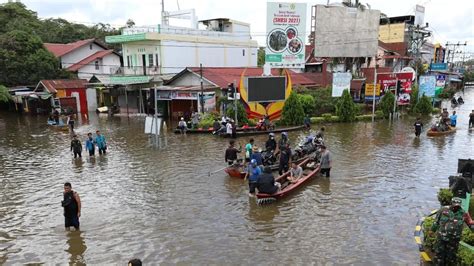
(211, 173)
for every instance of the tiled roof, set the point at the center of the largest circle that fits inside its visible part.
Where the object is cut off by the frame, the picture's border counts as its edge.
(222, 76)
(59, 49)
(53, 85)
(89, 59)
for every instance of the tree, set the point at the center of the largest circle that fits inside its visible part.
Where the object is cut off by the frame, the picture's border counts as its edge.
(241, 113)
(24, 60)
(130, 23)
(4, 94)
(386, 103)
(308, 103)
(293, 112)
(346, 108)
(424, 106)
(261, 56)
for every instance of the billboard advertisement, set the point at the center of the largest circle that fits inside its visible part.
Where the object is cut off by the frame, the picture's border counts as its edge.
(285, 37)
(340, 82)
(388, 81)
(427, 86)
(345, 32)
(369, 92)
(266, 89)
(440, 83)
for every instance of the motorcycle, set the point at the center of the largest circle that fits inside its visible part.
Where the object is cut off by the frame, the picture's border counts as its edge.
(453, 101)
(307, 146)
(268, 158)
(460, 100)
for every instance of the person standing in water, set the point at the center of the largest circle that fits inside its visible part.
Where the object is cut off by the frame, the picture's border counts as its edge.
(72, 207)
(90, 145)
(100, 141)
(418, 127)
(76, 147)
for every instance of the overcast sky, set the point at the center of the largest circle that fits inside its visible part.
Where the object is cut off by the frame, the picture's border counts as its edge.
(451, 21)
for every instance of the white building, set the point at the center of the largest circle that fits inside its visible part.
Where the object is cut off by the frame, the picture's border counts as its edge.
(87, 57)
(158, 50)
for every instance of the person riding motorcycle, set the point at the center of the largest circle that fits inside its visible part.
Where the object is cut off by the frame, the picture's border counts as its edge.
(460, 100)
(271, 144)
(268, 155)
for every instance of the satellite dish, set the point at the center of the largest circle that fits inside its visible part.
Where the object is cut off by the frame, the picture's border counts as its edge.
(409, 70)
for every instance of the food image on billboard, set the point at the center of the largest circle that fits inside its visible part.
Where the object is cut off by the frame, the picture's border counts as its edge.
(345, 32)
(286, 26)
(266, 89)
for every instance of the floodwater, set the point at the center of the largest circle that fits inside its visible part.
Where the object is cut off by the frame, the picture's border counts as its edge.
(163, 207)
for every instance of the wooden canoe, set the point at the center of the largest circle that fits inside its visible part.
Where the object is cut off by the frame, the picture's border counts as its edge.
(431, 133)
(288, 187)
(238, 171)
(209, 130)
(261, 132)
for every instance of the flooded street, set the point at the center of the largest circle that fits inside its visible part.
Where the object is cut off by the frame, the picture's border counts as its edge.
(163, 207)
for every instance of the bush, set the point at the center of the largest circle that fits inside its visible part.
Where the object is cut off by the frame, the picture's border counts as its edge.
(4, 94)
(444, 196)
(293, 113)
(414, 97)
(465, 255)
(360, 108)
(379, 114)
(435, 111)
(207, 120)
(323, 100)
(308, 103)
(386, 104)
(447, 93)
(345, 107)
(429, 236)
(424, 106)
(364, 118)
(315, 120)
(241, 113)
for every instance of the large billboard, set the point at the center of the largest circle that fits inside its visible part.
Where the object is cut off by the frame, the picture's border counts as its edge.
(345, 32)
(388, 81)
(266, 89)
(427, 86)
(285, 38)
(340, 82)
(440, 83)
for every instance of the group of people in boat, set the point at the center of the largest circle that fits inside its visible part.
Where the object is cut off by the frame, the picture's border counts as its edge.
(56, 119)
(258, 166)
(457, 101)
(445, 123)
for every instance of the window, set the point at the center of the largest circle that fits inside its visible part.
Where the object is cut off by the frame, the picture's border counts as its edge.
(150, 60)
(243, 52)
(97, 65)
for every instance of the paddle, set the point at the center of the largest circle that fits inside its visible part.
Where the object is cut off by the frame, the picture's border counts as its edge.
(211, 173)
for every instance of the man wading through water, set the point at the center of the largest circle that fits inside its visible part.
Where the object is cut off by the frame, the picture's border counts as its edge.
(72, 207)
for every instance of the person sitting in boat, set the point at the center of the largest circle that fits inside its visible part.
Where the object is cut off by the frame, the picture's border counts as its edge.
(253, 171)
(182, 126)
(257, 155)
(320, 133)
(231, 153)
(460, 100)
(444, 120)
(270, 145)
(266, 182)
(296, 172)
(51, 120)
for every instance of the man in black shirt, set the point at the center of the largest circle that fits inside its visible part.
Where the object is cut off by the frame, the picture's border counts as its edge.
(271, 144)
(418, 127)
(266, 182)
(285, 155)
(231, 153)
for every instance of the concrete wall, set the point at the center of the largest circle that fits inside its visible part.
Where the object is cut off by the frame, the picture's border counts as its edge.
(91, 95)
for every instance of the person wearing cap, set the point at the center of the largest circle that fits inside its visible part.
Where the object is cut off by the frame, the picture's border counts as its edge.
(448, 226)
(182, 126)
(271, 144)
(266, 182)
(253, 171)
(325, 161)
(76, 147)
(257, 155)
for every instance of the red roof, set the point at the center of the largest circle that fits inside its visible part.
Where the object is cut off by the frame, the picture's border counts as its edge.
(54, 85)
(60, 49)
(89, 59)
(222, 76)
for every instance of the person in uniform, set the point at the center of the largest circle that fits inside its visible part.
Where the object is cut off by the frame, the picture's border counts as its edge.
(448, 226)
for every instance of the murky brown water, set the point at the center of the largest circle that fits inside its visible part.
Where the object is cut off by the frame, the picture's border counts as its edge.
(161, 205)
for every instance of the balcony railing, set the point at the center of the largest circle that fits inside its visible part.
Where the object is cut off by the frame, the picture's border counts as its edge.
(135, 70)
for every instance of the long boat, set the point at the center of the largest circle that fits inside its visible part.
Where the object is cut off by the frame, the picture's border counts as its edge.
(431, 133)
(238, 171)
(209, 130)
(261, 132)
(288, 187)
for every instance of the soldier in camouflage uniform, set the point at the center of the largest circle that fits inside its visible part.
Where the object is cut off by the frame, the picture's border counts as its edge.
(448, 227)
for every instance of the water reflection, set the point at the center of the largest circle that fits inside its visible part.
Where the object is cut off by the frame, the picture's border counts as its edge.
(76, 248)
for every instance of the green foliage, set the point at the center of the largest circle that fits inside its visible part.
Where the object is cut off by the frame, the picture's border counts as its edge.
(345, 107)
(444, 196)
(429, 236)
(386, 103)
(4, 94)
(252, 122)
(435, 110)
(293, 112)
(465, 255)
(379, 114)
(323, 101)
(308, 103)
(261, 56)
(207, 120)
(414, 97)
(364, 118)
(471, 206)
(360, 108)
(447, 93)
(241, 113)
(424, 106)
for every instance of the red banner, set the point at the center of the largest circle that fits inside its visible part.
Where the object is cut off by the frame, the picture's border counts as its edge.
(388, 81)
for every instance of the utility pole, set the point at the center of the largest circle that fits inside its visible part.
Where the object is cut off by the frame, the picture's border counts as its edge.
(201, 99)
(235, 102)
(418, 36)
